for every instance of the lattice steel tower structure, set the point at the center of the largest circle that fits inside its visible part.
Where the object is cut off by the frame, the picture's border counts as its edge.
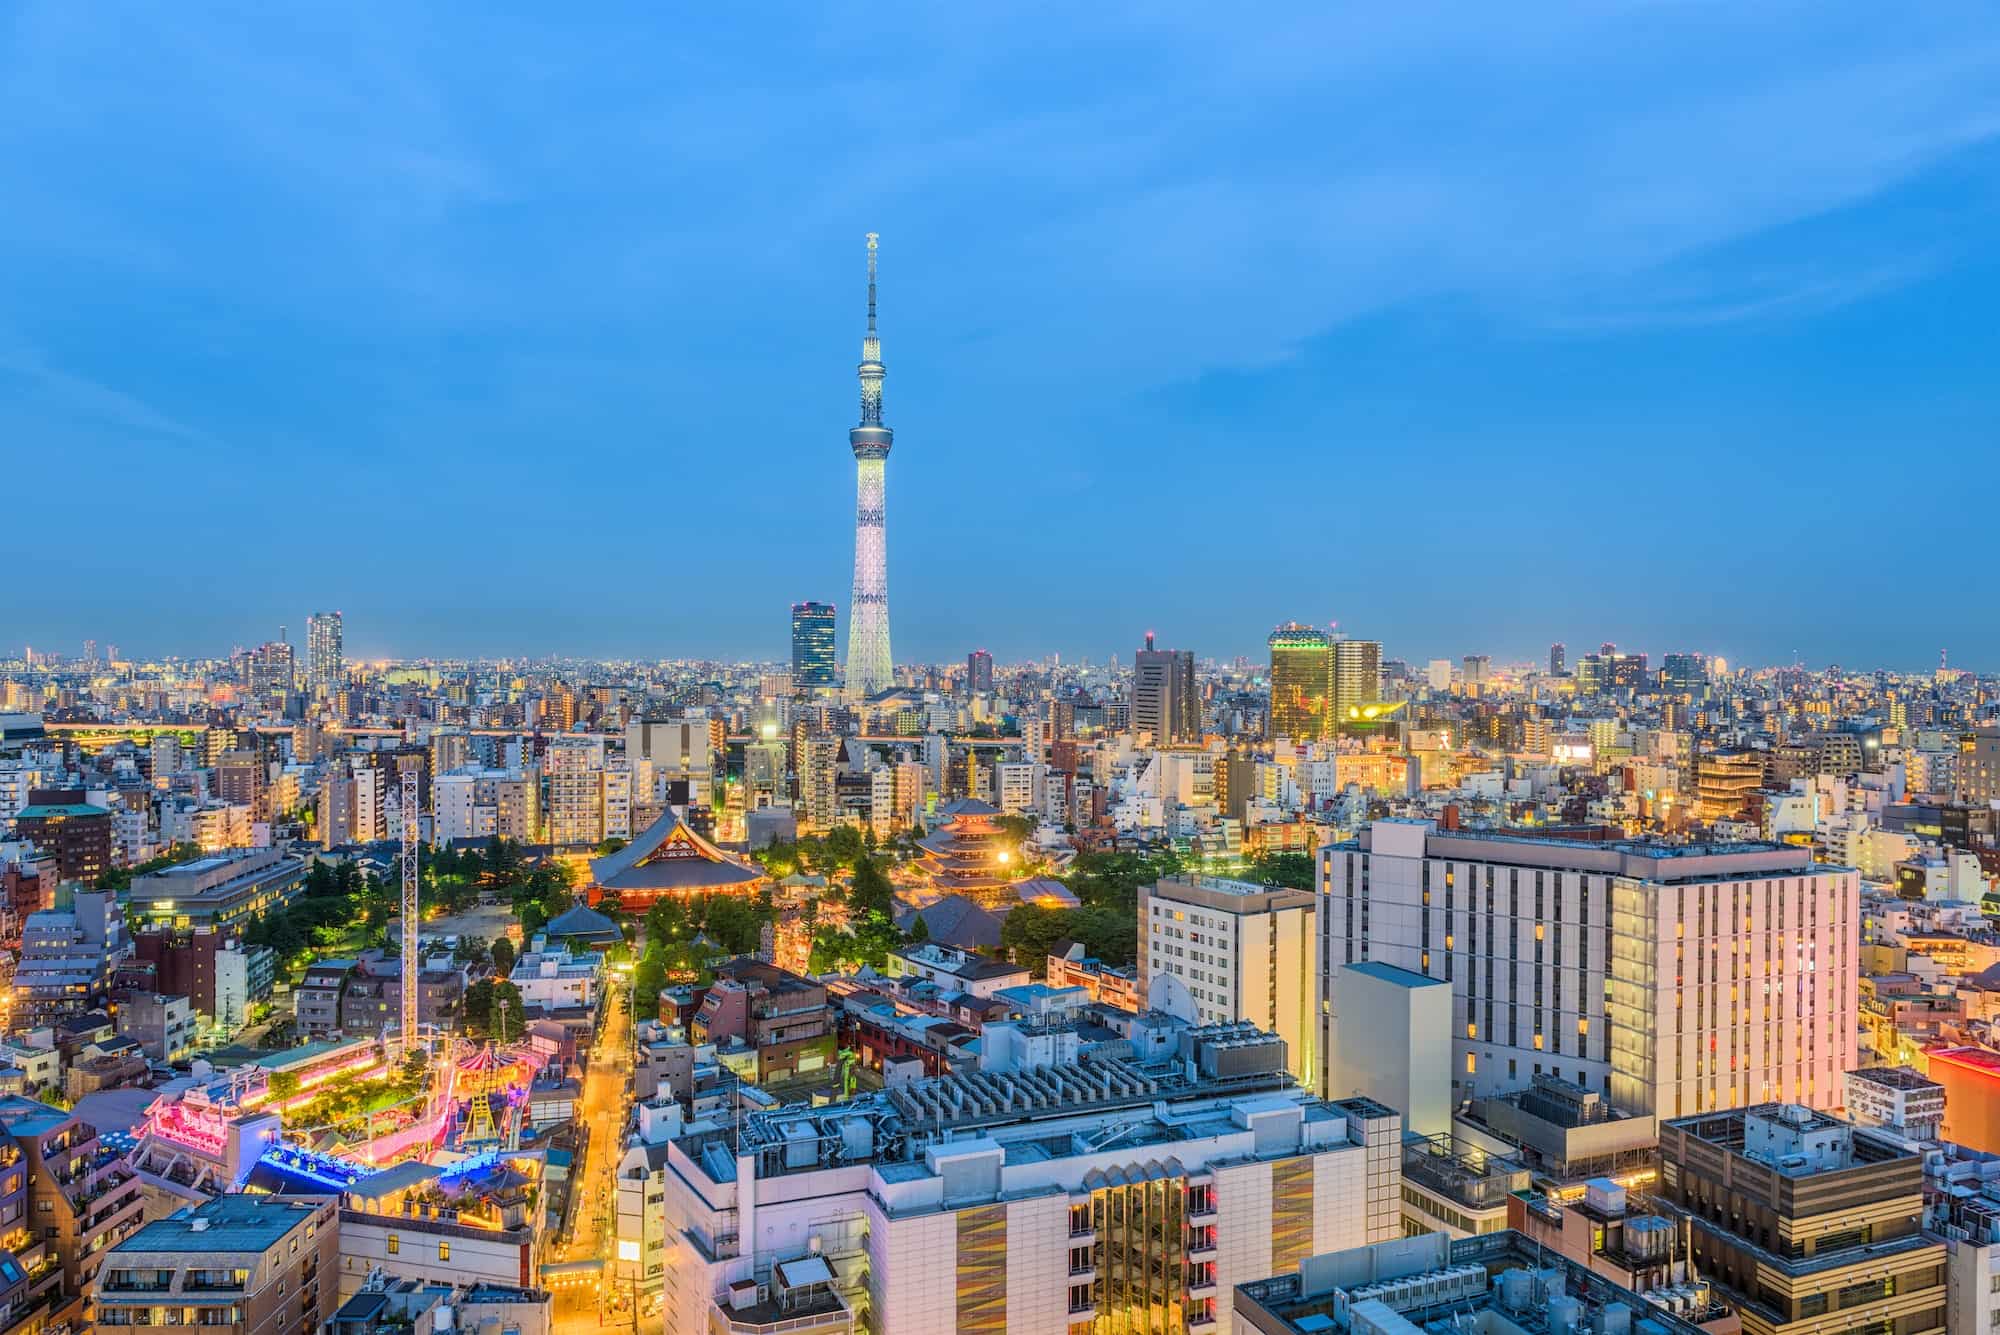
(412, 832)
(869, 666)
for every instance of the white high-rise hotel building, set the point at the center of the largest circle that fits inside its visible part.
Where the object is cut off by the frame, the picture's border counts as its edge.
(1676, 978)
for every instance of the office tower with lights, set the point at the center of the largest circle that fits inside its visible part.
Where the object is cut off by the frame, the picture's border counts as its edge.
(978, 672)
(1164, 703)
(1301, 682)
(1676, 978)
(1684, 674)
(812, 646)
(1357, 677)
(870, 668)
(1558, 658)
(324, 666)
(272, 672)
(819, 783)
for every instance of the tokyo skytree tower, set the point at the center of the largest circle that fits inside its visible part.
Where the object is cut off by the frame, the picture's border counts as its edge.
(869, 667)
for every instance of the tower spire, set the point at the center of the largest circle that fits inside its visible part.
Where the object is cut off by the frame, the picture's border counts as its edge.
(869, 667)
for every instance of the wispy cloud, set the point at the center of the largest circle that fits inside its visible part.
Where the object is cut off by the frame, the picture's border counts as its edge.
(80, 398)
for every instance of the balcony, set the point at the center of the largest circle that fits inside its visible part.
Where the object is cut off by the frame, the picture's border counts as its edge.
(810, 1308)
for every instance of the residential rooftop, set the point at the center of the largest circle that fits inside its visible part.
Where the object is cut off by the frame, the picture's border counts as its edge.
(231, 1223)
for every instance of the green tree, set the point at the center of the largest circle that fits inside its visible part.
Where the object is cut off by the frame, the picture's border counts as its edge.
(845, 846)
(1029, 930)
(503, 956)
(870, 891)
(1294, 870)
(607, 847)
(919, 929)
(284, 1084)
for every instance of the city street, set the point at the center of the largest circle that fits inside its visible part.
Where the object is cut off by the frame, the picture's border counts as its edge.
(579, 1307)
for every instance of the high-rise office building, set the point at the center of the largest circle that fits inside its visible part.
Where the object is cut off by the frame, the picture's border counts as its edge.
(1676, 978)
(1301, 681)
(325, 669)
(813, 664)
(978, 672)
(1357, 677)
(1246, 952)
(1164, 703)
(1684, 674)
(271, 670)
(1558, 655)
(870, 666)
(819, 782)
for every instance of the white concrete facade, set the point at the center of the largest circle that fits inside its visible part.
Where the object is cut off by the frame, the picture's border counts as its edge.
(1675, 978)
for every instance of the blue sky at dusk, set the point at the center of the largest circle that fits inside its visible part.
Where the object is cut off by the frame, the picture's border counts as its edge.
(1467, 326)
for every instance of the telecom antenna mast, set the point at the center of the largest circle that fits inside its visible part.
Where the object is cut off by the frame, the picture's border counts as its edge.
(412, 823)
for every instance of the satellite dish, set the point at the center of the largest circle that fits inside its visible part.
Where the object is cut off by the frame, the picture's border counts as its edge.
(1168, 993)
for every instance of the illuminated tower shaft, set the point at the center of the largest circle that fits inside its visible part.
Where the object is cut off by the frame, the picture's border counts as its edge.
(412, 819)
(869, 666)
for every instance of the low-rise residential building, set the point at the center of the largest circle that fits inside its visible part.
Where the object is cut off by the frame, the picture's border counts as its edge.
(255, 1265)
(83, 1198)
(1071, 966)
(1803, 1222)
(955, 970)
(780, 1020)
(552, 979)
(162, 1026)
(316, 1000)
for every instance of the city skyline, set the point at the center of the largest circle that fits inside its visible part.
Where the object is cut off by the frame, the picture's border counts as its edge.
(1639, 346)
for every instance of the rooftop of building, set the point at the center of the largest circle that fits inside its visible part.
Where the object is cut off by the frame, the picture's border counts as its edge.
(1498, 1282)
(1390, 973)
(1229, 893)
(23, 1116)
(748, 970)
(1095, 1102)
(1791, 1139)
(231, 1223)
(60, 811)
(1646, 858)
(962, 963)
(1894, 1077)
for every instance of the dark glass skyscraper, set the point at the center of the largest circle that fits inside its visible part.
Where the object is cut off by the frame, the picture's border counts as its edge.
(812, 645)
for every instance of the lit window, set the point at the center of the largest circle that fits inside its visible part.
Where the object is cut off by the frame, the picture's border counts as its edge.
(395, 1244)
(444, 1251)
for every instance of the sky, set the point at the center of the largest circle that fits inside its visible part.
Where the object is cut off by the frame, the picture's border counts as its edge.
(1465, 327)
